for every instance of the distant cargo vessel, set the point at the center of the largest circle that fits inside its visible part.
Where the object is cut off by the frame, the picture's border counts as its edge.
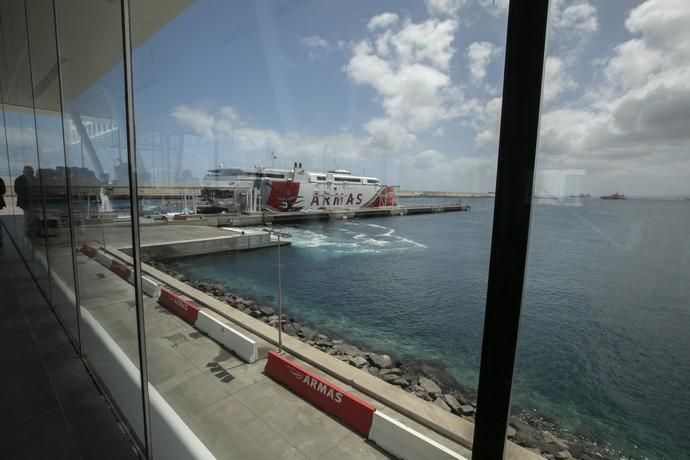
(615, 196)
(285, 190)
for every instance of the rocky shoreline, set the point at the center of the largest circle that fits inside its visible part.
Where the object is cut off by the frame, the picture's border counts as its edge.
(426, 380)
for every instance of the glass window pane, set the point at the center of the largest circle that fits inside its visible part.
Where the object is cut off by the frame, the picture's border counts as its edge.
(90, 36)
(51, 152)
(604, 356)
(340, 118)
(21, 142)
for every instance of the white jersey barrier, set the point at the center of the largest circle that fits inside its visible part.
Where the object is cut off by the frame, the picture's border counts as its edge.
(243, 346)
(404, 442)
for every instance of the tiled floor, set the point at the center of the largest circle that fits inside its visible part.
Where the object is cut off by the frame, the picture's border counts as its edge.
(49, 405)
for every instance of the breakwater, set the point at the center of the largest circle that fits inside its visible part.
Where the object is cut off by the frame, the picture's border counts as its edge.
(427, 380)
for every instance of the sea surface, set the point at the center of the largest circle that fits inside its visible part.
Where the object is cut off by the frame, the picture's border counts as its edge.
(604, 346)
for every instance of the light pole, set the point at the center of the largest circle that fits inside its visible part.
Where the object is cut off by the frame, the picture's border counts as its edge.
(270, 231)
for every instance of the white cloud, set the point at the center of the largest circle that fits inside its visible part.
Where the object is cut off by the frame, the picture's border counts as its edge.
(408, 66)
(224, 125)
(382, 21)
(486, 121)
(635, 122)
(579, 17)
(480, 54)
(314, 41)
(444, 7)
(556, 79)
(388, 136)
(196, 121)
(434, 170)
(428, 159)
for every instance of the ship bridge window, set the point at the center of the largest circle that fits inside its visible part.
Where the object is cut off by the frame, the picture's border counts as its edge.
(274, 176)
(372, 181)
(348, 179)
(320, 177)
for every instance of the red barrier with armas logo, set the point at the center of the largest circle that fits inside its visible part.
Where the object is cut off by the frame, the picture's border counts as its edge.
(354, 412)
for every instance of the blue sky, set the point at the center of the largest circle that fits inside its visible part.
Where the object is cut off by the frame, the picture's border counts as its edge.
(410, 91)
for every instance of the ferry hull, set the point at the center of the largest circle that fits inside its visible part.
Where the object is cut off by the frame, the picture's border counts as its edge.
(286, 196)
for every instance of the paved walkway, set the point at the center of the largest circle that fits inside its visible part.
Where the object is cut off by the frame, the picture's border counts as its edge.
(49, 405)
(234, 409)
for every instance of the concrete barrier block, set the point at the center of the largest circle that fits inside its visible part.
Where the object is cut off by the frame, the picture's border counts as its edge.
(351, 410)
(405, 443)
(88, 250)
(151, 288)
(233, 340)
(180, 305)
(104, 259)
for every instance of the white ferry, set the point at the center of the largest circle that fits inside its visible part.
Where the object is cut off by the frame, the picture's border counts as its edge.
(284, 190)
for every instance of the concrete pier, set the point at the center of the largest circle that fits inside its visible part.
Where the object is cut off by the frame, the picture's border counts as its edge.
(330, 214)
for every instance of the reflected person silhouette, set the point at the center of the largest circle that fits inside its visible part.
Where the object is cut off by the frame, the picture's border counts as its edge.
(26, 189)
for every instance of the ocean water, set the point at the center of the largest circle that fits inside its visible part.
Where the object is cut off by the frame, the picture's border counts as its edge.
(604, 345)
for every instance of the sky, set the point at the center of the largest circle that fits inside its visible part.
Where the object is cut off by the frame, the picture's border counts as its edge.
(410, 92)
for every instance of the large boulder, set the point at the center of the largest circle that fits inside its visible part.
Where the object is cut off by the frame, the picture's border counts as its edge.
(382, 361)
(452, 402)
(439, 402)
(266, 310)
(429, 386)
(466, 409)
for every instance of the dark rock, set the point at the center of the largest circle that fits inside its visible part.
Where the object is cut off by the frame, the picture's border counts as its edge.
(324, 337)
(289, 329)
(394, 370)
(308, 333)
(323, 343)
(424, 395)
(347, 349)
(268, 311)
(359, 361)
(453, 403)
(256, 313)
(401, 382)
(429, 385)
(373, 370)
(466, 409)
(389, 377)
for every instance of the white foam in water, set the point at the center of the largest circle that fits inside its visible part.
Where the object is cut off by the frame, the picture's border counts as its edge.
(346, 241)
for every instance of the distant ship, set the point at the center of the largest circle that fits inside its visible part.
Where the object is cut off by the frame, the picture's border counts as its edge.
(615, 196)
(581, 195)
(281, 190)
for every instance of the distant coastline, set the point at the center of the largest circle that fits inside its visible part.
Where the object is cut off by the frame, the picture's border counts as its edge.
(429, 194)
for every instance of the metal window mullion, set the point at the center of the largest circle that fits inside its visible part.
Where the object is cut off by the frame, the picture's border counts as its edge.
(38, 157)
(68, 182)
(134, 206)
(524, 62)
